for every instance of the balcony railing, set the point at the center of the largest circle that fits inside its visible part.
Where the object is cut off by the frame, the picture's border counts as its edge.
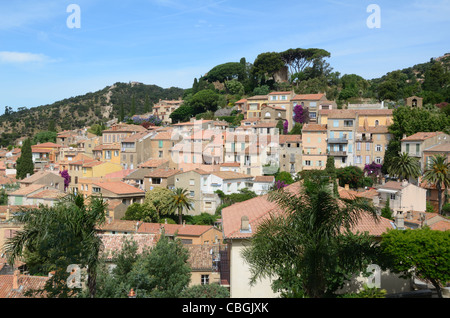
(342, 140)
(338, 153)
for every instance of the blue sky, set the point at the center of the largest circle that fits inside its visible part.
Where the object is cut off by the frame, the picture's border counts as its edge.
(171, 42)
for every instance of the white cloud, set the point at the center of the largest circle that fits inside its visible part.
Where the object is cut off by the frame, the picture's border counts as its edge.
(21, 57)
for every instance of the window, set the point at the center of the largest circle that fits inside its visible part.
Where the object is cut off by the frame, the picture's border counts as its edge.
(367, 146)
(367, 159)
(417, 148)
(348, 123)
(96, 189)
(392, 196)
(312, 115)
(116, 153)
(108, 154)
(407, 148)
(267, 114)
(160, 154)
(307, 162)
(160, 144)
(192, 193)
(192, 182)
(358, 159)
(156, 180)
(205, 279)
(335, 123)
(378, 160)
(378, 148)
(377, 122)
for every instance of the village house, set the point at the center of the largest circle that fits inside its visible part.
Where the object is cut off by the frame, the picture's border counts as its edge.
(119, 132)
(47, 178)
(164, 108)
(290, 153)
(240, 222)
(442, 149)
(314, 142)
(281, 100)
(112, 190)
(312, 103)
(45, 153)
(253, 105)
(135, 149)
(416, 144)
(403, 197)
(35, 194)
(107, 153)
(160, 178)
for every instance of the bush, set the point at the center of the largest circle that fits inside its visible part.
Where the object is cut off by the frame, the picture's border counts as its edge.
(446, 209)
(206, 291)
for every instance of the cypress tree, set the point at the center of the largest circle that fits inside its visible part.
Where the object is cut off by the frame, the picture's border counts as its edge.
(25, 161)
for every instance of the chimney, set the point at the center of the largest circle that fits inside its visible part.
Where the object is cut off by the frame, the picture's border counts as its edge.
(399, 220)
(16, 279)
(409, 215)
(184, 223)
(245, 225)
(404, 183)
(347, 187)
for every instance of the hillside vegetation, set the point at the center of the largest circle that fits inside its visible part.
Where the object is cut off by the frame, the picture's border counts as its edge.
(84, 110)
(301, 70)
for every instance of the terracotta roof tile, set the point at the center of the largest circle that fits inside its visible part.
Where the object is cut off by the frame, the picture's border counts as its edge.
(422, 136)
(118, 187)
(162, 173)
(153, 163)
(314, 127)
(260, 208)
(308, 97)
(25, 283)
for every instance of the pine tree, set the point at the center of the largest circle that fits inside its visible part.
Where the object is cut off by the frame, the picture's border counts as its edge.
(25, 161)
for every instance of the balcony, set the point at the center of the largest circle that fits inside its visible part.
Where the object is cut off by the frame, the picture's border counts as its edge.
(342, 140)
(338, 153)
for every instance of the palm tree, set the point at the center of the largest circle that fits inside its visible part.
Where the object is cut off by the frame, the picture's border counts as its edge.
(180, 202)
(438, 174)
(404, 167)
(60, 236)
(307, 241)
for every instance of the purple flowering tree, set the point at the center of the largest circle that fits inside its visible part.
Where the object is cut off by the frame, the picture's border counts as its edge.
(373, 170)
(279, 185)
(300, 114)
(285, 127)
(67, 178)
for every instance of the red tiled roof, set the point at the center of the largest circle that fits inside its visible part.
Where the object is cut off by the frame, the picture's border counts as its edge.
(25, 283)
(289, 138)
(308, 97)
(119, 187)
(422, 136)
(260, 208)
(314, 127)
(153, 163)
(162, 173)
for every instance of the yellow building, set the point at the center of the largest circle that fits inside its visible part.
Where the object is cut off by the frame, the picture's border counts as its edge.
(107, 153)
(98, 169)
